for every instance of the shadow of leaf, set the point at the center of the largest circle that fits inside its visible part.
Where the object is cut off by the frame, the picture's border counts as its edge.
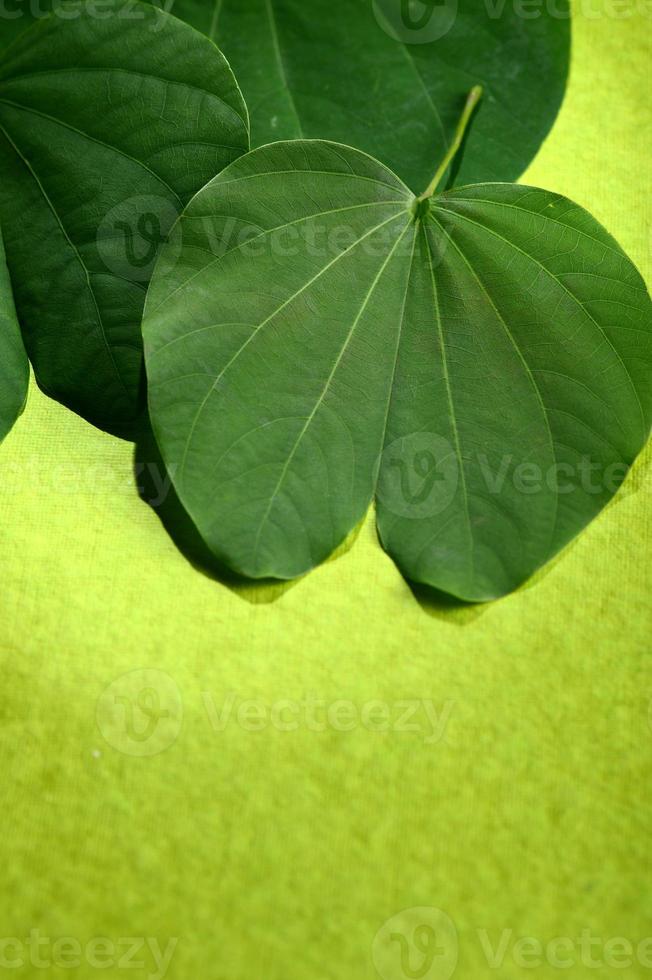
(444, 607)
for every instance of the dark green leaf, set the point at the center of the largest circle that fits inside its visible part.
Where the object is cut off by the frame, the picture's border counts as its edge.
(314, 335)
(108, 125)
(14, 366)
(385, 76)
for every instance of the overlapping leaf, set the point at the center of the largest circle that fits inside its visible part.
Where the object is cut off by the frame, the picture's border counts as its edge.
(108, 125)
(385, 75)
(14, 367)
(480, 361)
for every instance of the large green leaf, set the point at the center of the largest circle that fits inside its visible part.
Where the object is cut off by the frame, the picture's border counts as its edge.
(390, 77)
(14, 366)
(108, 125)
(481, 361)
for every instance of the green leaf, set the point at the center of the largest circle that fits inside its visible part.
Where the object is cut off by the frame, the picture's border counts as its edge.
(108, 126)
(381, 77)
(315, 335)
(14, 366)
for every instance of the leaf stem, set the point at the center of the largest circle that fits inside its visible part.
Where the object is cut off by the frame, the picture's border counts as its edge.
(474, 97)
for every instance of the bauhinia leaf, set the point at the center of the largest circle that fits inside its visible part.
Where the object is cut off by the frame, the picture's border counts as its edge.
(383, 75)
(314, 335)
(108, 125)
(14, 366)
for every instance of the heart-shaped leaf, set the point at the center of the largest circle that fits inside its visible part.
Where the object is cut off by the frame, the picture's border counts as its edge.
(108, 125)
(14, 366)
(383, 75)
(314, 334)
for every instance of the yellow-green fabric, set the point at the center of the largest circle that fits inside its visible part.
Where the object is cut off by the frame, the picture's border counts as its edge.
(522, 802)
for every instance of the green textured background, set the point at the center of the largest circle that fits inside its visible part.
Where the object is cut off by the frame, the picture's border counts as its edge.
(280, 854)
